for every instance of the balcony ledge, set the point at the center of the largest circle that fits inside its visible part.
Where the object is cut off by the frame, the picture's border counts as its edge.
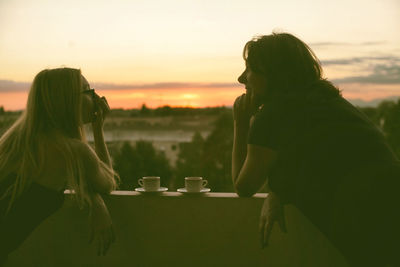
(172, 229)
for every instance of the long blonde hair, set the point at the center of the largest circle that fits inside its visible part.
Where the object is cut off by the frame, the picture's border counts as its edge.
(53, 114)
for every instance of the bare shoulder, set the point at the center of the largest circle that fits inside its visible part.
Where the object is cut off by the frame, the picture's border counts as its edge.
(82, 148)
(84, 152)
(54, 172)
(79, 145)
(95, 171)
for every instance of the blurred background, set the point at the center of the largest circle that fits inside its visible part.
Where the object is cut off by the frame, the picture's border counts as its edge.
(169, 69)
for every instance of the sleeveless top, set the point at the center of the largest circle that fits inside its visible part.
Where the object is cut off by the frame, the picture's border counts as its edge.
(34, 205)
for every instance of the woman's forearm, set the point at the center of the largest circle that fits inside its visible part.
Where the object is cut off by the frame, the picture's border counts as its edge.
(239, 150)
(101, 148)
(97, 200)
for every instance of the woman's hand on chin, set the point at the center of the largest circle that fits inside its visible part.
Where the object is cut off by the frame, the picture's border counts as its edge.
(244, 108)
(102, 109)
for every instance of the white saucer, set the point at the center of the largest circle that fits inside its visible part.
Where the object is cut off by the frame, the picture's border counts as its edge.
(183, 190)
(141, 190)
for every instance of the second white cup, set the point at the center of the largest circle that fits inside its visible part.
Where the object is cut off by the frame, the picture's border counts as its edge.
(195, 184)
(150, 183)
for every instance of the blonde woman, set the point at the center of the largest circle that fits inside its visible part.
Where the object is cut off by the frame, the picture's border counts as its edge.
(45, 152)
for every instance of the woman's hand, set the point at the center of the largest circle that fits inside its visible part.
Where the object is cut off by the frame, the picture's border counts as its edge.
(101, 110)
(244, 108)
(241, 109)
(271, 212)
(101, 229)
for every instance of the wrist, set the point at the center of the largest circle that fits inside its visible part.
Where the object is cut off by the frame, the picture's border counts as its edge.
(98, 134)
(97, 201)
(97, 128)
(241, 125)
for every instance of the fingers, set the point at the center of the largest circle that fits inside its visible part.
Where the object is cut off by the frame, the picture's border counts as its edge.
(266, 224)
(282, 225)
(253, 104)
(243, 103)
(99, 245)
(104, 239)
(105, 102)
(239, 101)
(239, 107)
(102, 244)
(248, 100)
(267, 232)
(102, 106)
(105, 108)
(106, 242)
(282, 222)
(101, 109)
(91, 236)
(261, 228)
(271, 211)
(109, 238)
(112, 235)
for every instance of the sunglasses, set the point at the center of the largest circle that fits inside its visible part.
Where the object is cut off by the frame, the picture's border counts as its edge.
(92, 93)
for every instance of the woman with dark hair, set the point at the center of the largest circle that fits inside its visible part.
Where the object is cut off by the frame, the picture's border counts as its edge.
(294, 130)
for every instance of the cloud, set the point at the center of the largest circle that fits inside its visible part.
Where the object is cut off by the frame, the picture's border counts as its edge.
(324, 44)
(358, 60)
(12, 86)
(383, 70)
(167, 85)
(329, 44)
(382, 74)
(372, 103)
(373, 43)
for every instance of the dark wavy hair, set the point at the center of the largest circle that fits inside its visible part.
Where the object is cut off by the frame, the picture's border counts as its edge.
(289, 65)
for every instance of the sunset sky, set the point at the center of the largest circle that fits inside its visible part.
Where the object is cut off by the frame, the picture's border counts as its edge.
(188, 53)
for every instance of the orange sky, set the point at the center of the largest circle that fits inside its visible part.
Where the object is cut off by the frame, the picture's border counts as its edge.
(192, 42)
(196, 97)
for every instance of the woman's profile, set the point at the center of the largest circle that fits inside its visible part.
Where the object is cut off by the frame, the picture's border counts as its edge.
(294, 130)
(45, 152)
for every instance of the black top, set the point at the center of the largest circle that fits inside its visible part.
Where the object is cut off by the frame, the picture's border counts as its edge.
(27, 212)
(318, 145)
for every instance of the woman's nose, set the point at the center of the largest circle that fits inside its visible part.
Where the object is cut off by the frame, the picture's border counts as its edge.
(242, 78)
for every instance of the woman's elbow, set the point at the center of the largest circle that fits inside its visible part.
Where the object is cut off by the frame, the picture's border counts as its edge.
(104, 188)
(243, 191)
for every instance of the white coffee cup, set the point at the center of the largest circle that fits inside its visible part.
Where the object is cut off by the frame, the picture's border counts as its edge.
(150, 183)
(195, 184)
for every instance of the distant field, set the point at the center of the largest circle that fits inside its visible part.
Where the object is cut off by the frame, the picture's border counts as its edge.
(164, 132)
(166, 128)
(155, 123)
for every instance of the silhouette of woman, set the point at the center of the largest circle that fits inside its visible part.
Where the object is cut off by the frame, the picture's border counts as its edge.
(319, 152)
(45, 152)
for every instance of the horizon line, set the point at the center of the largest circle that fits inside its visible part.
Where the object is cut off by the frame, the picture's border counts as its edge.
(370, 103)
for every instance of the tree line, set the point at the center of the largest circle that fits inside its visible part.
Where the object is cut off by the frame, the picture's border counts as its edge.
(208, 157)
